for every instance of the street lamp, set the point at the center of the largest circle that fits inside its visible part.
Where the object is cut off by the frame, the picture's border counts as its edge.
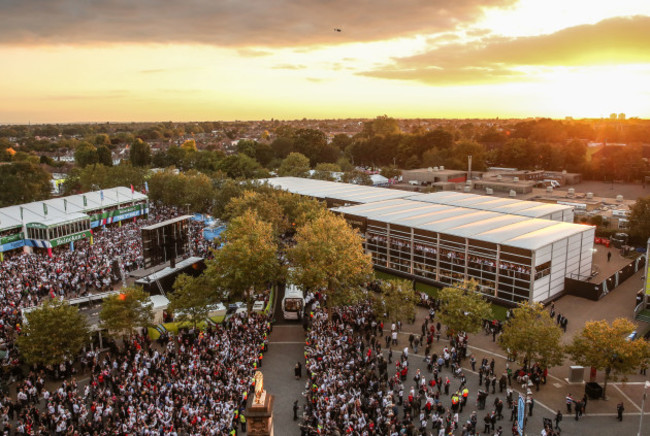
(647, 383)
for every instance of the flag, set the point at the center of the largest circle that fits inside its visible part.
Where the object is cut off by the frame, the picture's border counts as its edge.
(21, 213)
(65, 204)
(101, 195)
(44, 209)
(132, 190)
(85, 201)
(146, 187)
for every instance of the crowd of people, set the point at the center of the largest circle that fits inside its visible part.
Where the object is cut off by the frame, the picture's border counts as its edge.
(195, 384)
(27, 278)
(355, 388)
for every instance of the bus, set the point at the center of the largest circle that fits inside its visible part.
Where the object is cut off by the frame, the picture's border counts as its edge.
(293, 303)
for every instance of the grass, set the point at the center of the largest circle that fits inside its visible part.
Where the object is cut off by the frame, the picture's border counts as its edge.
(174, 327)
(499, 312)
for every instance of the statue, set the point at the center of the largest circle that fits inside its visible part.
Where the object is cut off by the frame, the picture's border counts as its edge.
(259, 386)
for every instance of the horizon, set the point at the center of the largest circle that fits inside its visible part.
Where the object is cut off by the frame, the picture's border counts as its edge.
(467, 59)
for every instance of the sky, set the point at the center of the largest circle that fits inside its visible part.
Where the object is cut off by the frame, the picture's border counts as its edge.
(202, 60)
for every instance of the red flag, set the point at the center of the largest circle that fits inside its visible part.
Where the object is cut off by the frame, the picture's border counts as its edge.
(132, 190)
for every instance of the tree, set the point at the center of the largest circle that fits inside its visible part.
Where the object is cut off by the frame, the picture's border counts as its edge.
(640, 219)
(192, 298)
(239, 166)
(104, 156)
(606, 347)
(324, 171)
(328, 255)
(265, 206)
(54, 332)
(396, 300)
(140, 153)
(122, 313)
(463, 310)
(248, 261)
(533, 336)
(189, 145)
(296, 164)
(23, 182)
(85, 154)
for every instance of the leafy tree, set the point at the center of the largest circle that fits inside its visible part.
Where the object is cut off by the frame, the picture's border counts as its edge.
(396, 300)
(296, 164)
(239, 166)
(390, 172)
(265, 206)
(192, 297)
(189, 145)
(122, 313)
(140, 153)
(104, 156)
(640, 219)
(328, 255)
(23, 182)
(247, 147)
(248, 261)
(382, 125)
(605, 347)
(463, 310)
(282, 146)
(85, 154)
(54, 332)
(533, 336)
(323, 171)
(356, 176)
(299, 210)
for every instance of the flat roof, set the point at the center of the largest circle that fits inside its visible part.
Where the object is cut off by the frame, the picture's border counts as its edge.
(488, 226)
(340, 191)
(166, 223)
(532, 209)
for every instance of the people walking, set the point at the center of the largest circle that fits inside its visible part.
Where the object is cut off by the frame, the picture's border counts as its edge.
(619, 411)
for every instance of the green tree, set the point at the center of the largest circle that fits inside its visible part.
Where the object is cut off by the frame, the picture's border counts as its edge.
(606, 347)
(296, 164)
(23, 182)
(122, 313)
(85, 154)
(104, 156)
(390, 172)
(265, 206)
(463, 309)
(640, 219)
(189, 145)
(239, 166)
(53, 333)
(323, 171)
(329, 255)
(140, 153)
(396, 300)
(248, 261)
(533, 336)
(192, 298)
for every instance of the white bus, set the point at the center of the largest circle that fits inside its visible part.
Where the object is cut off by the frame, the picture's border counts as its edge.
(293, 303)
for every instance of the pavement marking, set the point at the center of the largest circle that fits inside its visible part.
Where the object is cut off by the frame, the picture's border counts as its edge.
(557, 385)
(627, 398)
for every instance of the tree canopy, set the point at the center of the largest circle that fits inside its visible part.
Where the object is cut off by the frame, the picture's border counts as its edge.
(396, 300)
(23, 182)
(328, 255)
(533, 336)
(295, 164)
(122, 313)
(605, 347)
(54, 332)
(248, 261)
(140, 153)
(463, 310)
(640, 219)
(192, 298)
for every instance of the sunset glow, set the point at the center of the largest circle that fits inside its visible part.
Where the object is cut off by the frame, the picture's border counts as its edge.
(477, 59)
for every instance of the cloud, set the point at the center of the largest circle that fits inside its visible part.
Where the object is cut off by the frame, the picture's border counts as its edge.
(253, 53)
(289, 67)
(238, 23)
(495, 59)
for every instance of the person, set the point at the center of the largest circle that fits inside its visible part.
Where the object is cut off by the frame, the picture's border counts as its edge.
(609, 256)
(558, 419)
(569, 403)
(619, 411)
(242, 422)
(296, 407)
(530, 406)
(297, 371)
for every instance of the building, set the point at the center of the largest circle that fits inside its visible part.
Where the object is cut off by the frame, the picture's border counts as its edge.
(512, 258)
(429, 176)
(515, 250)
(64, 220)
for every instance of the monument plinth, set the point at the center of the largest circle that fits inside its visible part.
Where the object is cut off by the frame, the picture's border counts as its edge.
(259, 411)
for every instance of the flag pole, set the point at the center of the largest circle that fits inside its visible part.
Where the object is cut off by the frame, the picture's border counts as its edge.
(642, 407)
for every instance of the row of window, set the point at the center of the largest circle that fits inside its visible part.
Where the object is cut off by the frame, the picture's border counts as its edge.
(58, 231)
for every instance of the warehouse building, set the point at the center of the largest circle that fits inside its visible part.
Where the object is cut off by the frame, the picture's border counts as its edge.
(515, 250)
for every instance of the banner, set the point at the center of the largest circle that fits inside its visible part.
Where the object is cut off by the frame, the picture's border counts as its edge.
(44, 209)
(85, 201)
(11, 238)
(69, 238)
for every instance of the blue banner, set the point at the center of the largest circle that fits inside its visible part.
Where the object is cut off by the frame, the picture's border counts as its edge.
(12, 245)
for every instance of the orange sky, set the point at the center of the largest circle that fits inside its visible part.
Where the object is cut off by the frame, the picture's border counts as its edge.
(113, 60)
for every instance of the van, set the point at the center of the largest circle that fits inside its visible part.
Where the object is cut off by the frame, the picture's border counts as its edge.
(550, 182)
(414, 182)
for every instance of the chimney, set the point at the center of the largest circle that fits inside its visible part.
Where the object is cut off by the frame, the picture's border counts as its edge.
(469, 167)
